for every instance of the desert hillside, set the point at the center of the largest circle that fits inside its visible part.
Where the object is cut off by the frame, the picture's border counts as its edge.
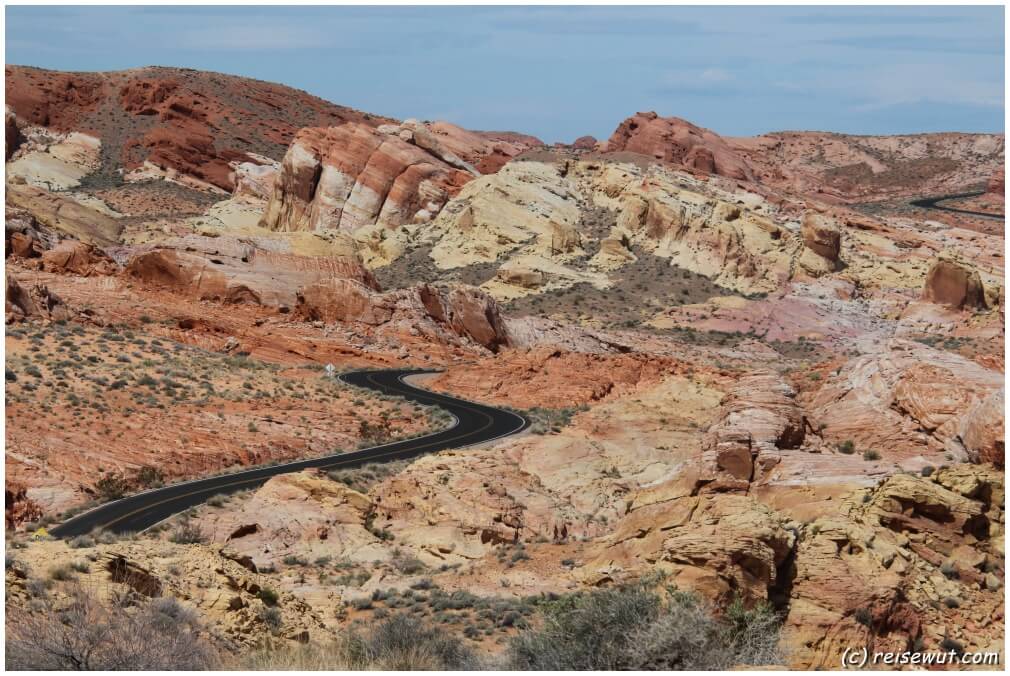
(766, 387)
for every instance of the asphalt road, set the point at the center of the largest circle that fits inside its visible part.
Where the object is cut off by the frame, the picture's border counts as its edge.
(934, 203)
(475, 423)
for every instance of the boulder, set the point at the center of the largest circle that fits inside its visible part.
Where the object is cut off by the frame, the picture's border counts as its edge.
(982, 430)
(954, 284)
(518, 275)
(36, 301)
(821, 235)
(79, 258)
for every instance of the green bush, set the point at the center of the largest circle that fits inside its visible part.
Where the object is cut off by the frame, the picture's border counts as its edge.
(269, 596)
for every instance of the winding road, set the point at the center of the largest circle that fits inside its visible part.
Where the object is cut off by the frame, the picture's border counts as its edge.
(474, 423)
(934, 203)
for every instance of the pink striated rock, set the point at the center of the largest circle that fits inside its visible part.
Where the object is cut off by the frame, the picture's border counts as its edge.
(354, 175)
(671, 139)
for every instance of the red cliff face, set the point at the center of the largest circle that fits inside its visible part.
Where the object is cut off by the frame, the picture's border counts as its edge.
(677, 141)
(188, 121)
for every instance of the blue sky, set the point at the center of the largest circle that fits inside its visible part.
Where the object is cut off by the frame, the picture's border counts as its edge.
(561, 72)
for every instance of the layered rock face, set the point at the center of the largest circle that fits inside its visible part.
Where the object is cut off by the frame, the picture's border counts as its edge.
(677, 141)
(233, 271)
(874, 571)
(465, 311)
(909, 400)
(758, 420)
(354, 175)
(954, 284)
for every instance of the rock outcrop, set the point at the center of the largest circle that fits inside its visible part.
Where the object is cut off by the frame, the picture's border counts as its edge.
(677, 141)
(12, 133)
(904, 401)
(354, 175)
(78, 258)
(982, 430)
(189, 124)
(233, 271)
(879, 569)
(465, 311)
(65, 215)
(35, 301)
(822, 238)
(758, 420)
(954, 284)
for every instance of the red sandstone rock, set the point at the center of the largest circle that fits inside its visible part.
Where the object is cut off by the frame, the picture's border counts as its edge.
(228, 270)
(954, 284)
(36, 301)
(79, 258)
(671, 139)
(465, 311)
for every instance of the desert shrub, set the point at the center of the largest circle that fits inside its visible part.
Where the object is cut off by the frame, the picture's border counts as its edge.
(871, 455)
(404, 643)
(148, 476)
(112, 486)
(61, 573)
(187, 533)
(81, 566)
(268, 596)
(949, 570)
(271, 617)
(848, 447)
(400, 643)
(82, 542)
(85, 635)
(633, 628)
(407, 564)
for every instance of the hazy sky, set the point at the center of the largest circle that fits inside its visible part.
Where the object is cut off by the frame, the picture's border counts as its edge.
(562, 72)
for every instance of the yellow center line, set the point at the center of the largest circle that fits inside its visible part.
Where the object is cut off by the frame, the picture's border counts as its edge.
(490, 421)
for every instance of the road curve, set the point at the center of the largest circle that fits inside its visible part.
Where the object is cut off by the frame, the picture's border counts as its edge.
(934, 203)
(475, 423)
